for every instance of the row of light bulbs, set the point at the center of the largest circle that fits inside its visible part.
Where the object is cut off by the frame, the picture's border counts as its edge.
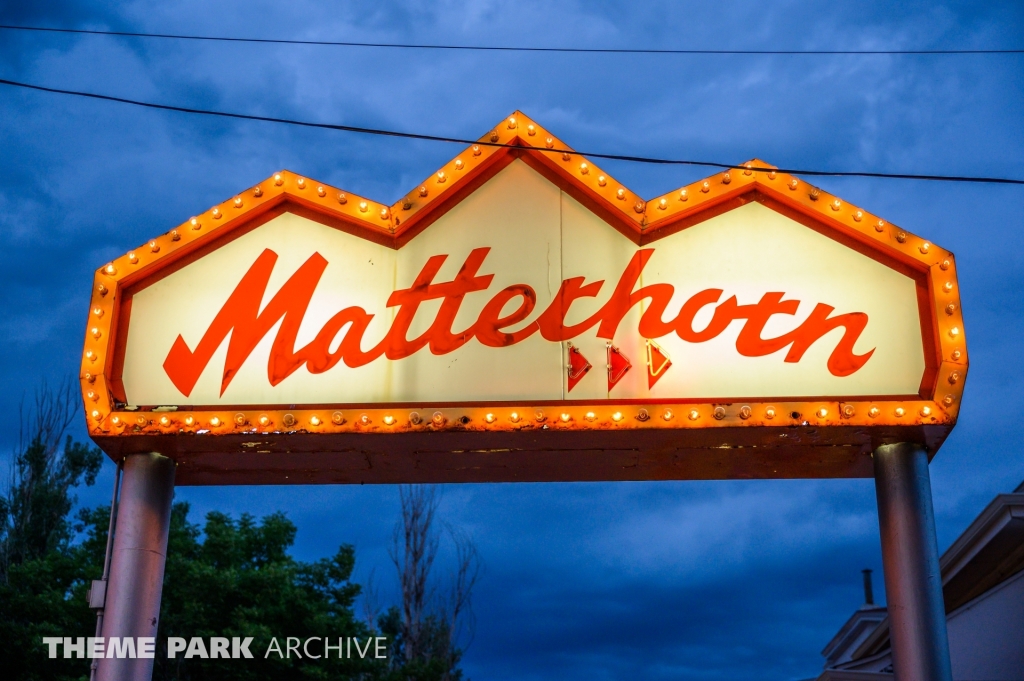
(440, 419)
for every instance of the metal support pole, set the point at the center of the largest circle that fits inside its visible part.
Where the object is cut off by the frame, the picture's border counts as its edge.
(137, 562)
(910, 561)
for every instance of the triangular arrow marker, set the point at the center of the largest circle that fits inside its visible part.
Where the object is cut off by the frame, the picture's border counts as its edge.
(578, 366)
(657, 363)
(618, 365)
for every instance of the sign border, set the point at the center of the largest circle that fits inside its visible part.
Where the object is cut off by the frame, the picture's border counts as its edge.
(926, 417)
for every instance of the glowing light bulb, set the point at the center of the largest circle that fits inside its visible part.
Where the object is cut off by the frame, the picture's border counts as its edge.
(278, 179)
(836, 204)
(115, 420)
(512, 123)
(389, 419)
(514, 417)
(132, 258)
(694, 415)
(590, 416)
(110, 270)
(880, 225)
(92, 395)
(301, 183)
(947, 287)
(189, 420)
(364, 419)
(747, 168)
(926, 411)
(423, 191)
(873, 412)
(363, 206)
(530, 130)
(584, 169)
(238, 202)
(195, 223)
(320, 191)
(668, 415)
(663, 204)
(858, 216)
(549, 143)
(96, 333)
(822, 413)
(954, 332)
(620, 194)
(617, 416)
(441, 177)
(164, 421)
(769, 413)
(900, 411)
(602, 180)
(384, 213)
(97, 311)
(489, 418)
(705, 186)
(793, 184)
(476, 149)
(215, 422)
(264, 420)
(458, 164)
(565, 418)
(95, 414)
(154, 246)
(90, 355)
(771, 174)
(215, 213)
(684, 195)
(566, 156)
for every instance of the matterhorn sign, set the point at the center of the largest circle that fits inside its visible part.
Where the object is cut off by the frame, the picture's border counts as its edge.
(520, 315)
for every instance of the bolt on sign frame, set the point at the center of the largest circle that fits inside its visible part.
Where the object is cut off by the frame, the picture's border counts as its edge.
(642, 431)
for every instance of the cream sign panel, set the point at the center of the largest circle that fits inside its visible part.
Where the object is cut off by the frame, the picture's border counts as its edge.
(520, 293)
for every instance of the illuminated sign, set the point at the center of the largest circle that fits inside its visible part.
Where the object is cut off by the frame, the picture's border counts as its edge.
(517, 296)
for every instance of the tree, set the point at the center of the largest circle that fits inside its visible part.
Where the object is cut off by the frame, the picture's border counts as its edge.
(43, 575)
(34, 512)
(427, 628)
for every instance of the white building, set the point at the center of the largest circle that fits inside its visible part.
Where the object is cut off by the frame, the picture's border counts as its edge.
(983, 586)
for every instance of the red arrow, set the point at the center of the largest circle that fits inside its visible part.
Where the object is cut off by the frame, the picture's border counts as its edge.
(618, 365)
(578, 366)
(657, 363)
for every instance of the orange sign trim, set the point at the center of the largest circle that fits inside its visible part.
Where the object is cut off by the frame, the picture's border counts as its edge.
(643, 221)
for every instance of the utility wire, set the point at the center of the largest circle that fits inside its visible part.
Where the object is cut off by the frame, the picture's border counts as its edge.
(457, 140)
(497, 48)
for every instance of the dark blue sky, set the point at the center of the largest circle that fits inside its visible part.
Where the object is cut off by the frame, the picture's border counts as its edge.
(702, 580)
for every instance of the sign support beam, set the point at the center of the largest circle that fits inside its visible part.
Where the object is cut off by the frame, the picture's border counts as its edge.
(136, 578)
(910, 560)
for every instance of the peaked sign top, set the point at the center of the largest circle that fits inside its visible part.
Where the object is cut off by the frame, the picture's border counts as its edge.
(521, 315)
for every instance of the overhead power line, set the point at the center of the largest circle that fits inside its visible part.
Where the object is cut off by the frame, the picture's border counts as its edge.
(458, 140)
(495, 48)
